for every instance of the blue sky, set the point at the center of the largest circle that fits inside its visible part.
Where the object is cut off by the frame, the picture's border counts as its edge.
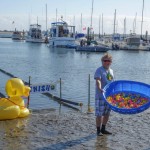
(25, 12)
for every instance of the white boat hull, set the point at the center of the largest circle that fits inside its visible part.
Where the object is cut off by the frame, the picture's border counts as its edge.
(17, 37)
(96, 48)
(32, 40)
(134, 47)
(62, 42)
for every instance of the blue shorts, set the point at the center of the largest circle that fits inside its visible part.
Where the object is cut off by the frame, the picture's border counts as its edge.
(101, 108)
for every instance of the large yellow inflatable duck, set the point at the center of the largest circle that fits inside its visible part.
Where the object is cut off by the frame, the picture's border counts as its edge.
(14, 106)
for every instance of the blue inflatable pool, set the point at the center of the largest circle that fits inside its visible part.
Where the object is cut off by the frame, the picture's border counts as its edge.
(126, 86)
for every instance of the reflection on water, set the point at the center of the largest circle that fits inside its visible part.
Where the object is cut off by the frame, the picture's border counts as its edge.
(46, 64)
(101, 143)
(11, 133)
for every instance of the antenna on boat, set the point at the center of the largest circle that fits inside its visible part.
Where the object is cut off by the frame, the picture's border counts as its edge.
(29, 19)
(61, 18)
(142, 19)
(37, 20)
(74, 19)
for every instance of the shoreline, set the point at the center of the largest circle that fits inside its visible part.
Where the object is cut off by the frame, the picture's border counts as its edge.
(46, 129)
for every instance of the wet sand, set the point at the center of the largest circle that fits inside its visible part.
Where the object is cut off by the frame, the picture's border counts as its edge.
(46, 129)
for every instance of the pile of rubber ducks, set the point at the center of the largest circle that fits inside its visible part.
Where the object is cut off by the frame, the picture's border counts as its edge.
(127, 100)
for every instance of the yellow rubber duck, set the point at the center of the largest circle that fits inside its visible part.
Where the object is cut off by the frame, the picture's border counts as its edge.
(14, 106)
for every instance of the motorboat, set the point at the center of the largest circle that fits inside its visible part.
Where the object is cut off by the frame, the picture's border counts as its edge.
(18, 35)
(62, 35)
(94, 46)
(35, 34)
(133, 42)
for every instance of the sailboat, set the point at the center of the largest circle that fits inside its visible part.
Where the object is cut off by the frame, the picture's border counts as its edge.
(92, 46)
(142, 19)
(81, 36)
(133, 42)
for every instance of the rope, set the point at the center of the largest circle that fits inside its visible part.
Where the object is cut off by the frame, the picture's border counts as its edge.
(15, 103)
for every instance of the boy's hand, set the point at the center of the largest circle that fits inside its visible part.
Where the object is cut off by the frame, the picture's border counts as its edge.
(102, 91)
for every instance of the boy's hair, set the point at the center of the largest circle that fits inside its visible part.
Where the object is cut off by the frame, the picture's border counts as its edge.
(106, 56)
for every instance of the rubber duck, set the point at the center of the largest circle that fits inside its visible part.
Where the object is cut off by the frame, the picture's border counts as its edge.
(14, 106)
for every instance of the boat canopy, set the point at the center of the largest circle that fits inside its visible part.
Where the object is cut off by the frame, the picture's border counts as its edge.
(35, 26)
(58, 23)
(80, 35)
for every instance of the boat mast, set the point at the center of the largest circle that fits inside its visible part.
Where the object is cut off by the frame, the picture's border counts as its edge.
(99, 25)
(91, 16)
(116, 27)
(81, 23)
(46, 17)
(124, 27)
(102, 26)
(142, 19)
(134, 23)
(114, 22)
(29, 19)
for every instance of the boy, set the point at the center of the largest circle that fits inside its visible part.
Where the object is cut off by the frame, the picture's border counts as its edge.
(103, 76)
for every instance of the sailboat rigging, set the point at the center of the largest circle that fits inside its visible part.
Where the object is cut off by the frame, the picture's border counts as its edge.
(142, 19)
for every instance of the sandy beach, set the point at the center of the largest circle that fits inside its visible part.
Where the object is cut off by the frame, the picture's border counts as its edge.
(47, 129)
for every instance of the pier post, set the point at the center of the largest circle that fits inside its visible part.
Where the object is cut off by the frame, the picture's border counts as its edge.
(90, 110)
(60, 97)
(29, 95)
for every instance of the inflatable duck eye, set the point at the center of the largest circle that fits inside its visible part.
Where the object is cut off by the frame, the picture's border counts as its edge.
(15, 87)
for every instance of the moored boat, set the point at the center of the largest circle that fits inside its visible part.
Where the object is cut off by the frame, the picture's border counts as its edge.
(92, 48)
(18, 35)
(35, 34)
(62, 35)
(133, 43)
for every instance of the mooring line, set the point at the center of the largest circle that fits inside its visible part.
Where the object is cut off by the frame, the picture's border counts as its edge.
(7, 73)
(11, 75)
(61, 101)
(2, 95)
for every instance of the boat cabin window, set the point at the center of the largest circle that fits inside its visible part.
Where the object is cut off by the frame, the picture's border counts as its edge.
(61, 29)
(35, 32)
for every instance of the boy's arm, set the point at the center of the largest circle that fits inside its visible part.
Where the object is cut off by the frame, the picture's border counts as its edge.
(98, 84)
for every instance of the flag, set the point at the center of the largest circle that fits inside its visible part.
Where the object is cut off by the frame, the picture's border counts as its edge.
(13, 22)
(41, 88)
(84, 28)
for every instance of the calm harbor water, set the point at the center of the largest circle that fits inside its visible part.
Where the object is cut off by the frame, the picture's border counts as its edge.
(46, 64)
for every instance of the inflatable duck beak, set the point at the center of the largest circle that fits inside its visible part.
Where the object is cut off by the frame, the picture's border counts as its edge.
(26, 91)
